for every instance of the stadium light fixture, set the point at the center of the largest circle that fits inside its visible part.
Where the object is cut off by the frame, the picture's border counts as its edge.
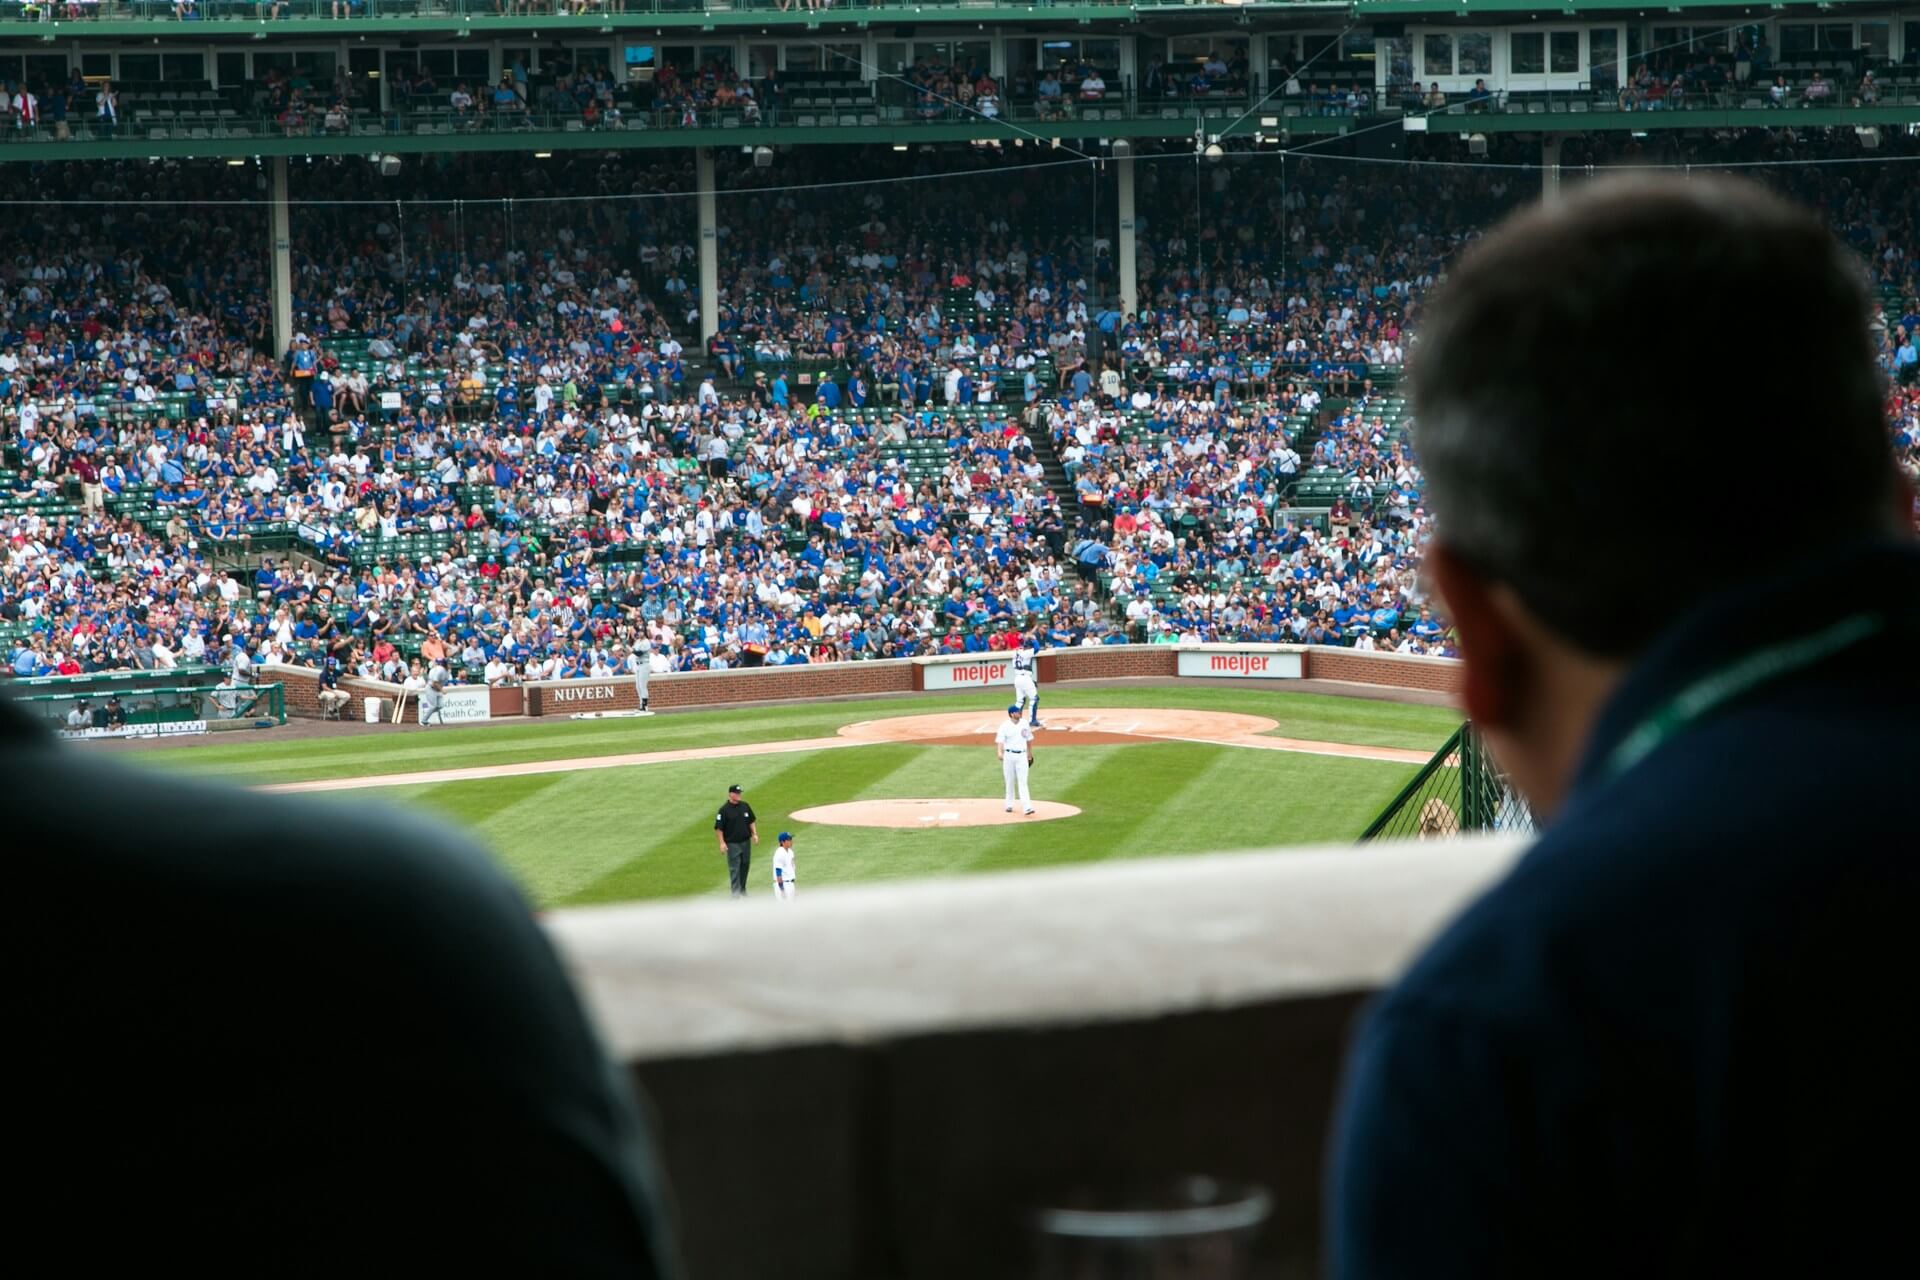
(899, 146)
(236, 162)
(543, 155)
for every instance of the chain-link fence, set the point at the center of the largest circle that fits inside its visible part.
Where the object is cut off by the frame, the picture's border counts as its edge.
(1460, 790)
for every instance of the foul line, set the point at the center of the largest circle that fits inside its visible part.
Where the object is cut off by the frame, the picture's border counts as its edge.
(480, 773)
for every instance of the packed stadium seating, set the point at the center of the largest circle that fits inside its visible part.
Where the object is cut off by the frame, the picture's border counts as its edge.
(923, 424)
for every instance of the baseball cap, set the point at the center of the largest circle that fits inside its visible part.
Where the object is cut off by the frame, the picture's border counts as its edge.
(1013, 711)
(785, 836)
(734, 789)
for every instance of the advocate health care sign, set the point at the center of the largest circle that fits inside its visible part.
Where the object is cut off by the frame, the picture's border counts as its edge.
(462, 704)
(1239, 664)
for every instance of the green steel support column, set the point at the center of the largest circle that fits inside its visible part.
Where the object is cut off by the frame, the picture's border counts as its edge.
(709, 246)
(1475, 801)
(282, 251)
(1129, 263)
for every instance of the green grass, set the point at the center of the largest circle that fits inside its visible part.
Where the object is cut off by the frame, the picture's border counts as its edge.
(244, 757)
(612, 835)
(616, 835)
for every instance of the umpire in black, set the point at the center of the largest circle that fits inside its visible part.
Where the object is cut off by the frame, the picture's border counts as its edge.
(737, 831)
(1679, 1038)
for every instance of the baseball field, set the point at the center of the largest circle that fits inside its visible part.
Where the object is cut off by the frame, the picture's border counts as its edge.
(616, 809)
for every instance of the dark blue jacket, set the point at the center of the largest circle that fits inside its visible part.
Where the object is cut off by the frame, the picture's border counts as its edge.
(1680, 1037)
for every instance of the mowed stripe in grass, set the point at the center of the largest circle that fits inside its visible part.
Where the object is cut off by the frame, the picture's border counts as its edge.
(679, 853)
(264, 759)
(622, 834)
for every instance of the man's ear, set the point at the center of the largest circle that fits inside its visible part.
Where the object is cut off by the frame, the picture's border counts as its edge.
(1492, 651)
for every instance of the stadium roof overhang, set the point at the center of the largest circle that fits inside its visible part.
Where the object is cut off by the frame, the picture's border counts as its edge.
(1365, 10)
(913, 134)
(483, 22)
(525, 141)
(1664, 121)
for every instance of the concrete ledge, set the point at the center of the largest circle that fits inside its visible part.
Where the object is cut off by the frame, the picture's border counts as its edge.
(868, 963)
(908, 1069)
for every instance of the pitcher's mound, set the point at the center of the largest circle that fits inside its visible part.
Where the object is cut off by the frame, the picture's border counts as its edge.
(921, 814)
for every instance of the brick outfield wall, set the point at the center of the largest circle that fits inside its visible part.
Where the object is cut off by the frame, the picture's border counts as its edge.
(719, 688)
(1397, 670)
(302, 686)
(845, 679)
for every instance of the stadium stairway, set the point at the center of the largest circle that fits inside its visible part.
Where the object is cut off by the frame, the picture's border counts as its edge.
(1042, 442)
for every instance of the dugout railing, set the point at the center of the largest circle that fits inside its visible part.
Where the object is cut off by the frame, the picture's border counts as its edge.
(155, 710)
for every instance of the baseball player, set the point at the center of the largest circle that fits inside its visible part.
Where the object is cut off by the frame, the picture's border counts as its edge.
(640, 663)
(433, 698)
(1013, 742)
(1026, 687)
(784, 883)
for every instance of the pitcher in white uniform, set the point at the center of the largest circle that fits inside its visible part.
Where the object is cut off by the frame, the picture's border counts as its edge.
(1026, 679)
(1014, 743)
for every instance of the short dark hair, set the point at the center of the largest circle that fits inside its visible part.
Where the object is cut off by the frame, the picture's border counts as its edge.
(1596, 367)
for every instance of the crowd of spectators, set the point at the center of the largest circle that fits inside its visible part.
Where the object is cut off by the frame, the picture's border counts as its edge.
(1191, 526)
(487, 449)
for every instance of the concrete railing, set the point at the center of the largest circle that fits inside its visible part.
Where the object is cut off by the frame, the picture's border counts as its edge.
(883, 1080)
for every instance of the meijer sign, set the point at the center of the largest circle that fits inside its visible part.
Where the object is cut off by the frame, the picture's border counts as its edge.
(1239, 665)
(977, 673)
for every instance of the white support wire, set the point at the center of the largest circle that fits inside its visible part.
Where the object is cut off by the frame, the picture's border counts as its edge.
(954, 175)
(866, 66)
(1293, 74)
(610, 198)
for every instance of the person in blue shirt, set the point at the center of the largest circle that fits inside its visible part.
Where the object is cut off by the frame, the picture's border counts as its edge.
(1675, 1037)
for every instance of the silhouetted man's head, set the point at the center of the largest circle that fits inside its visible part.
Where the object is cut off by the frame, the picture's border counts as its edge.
(1617, 400)
(1613, 394)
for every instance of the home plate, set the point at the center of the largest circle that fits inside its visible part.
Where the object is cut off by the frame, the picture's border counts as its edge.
(923, 814)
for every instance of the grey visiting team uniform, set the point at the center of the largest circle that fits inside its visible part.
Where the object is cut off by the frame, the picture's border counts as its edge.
(642, 664)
